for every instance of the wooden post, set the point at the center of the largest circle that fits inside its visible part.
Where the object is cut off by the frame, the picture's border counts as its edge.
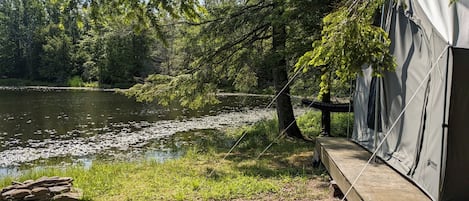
(326, 116)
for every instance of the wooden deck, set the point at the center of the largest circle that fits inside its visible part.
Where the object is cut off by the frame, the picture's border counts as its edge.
(345, 159)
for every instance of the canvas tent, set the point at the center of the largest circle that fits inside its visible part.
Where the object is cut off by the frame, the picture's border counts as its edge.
(422, 107)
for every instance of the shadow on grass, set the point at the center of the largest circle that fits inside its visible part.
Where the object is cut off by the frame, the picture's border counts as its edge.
(285, 158)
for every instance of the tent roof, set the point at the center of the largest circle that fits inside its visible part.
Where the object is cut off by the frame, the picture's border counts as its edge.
(450, 21)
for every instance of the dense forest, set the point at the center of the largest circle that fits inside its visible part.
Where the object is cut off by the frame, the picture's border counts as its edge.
(55, 41)
(186, 51)
(115, 43)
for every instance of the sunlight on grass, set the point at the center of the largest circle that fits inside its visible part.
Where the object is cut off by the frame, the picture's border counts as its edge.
(285, 171)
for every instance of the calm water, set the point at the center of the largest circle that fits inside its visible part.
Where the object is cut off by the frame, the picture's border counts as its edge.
(36, 115)
(43, 126)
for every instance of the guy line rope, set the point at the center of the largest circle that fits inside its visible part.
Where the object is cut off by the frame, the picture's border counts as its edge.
(284, 131)
(395, 122)
(267, 107)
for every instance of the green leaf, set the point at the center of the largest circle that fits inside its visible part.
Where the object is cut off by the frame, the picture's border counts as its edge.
(349, 41)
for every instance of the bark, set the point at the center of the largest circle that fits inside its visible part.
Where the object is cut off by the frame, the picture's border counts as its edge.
(284, 106)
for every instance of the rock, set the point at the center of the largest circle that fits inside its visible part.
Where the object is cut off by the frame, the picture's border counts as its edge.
(56, 184)
(46, 181)
(43, 189)
(59, 189)
(42, 178)
(67, 197)
(20, 186)
(7, 189)
(30, 197)
(38, 198)
(28, 181)
(16, 193)
(40, 191)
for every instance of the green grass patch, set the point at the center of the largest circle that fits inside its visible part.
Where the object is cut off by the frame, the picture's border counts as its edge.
(310, 123)
(284, 172)
(342, 124)
(183, 179)
(76, 81)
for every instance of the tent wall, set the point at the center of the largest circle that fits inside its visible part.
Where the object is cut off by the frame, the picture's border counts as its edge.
(426, 170)
(410, 47)
(413, 146)
(449, 20)
(361, 133)
(455, 177)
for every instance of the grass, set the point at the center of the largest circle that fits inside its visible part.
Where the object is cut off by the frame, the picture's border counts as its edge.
(310, 124)
(284, 172)
(76, 81)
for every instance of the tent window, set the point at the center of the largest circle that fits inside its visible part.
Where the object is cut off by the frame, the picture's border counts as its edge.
(371, 107)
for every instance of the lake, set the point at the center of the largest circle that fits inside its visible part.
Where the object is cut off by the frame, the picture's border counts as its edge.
(63, 126)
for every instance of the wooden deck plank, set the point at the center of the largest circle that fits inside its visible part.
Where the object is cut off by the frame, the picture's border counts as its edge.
(345, 159)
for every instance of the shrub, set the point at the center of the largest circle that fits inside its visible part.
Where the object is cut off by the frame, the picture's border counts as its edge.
(310, 123)
(75, 81)
(91, 84)
(341, 123)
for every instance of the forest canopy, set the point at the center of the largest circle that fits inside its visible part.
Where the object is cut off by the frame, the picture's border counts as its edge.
(105, 41)
(184, 52)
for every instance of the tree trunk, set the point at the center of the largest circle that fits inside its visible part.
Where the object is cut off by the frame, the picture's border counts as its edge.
(286, 118)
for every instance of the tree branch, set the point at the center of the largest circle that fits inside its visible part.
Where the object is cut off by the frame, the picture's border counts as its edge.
(240, 40)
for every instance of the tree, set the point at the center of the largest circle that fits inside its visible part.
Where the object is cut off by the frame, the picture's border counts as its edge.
(125, 55)
(245, 42)
(56, 61)
(7, 45)
(116, 48)
(104, 40)
(348, 41)
(21, 21)
(279, 71)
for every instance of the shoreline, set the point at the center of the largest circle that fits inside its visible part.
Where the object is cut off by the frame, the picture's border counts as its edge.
(58, 88)
(47, 88)
(205, 173)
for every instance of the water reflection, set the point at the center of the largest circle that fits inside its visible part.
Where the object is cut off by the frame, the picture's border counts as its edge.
(38, 115)
(124, 137)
